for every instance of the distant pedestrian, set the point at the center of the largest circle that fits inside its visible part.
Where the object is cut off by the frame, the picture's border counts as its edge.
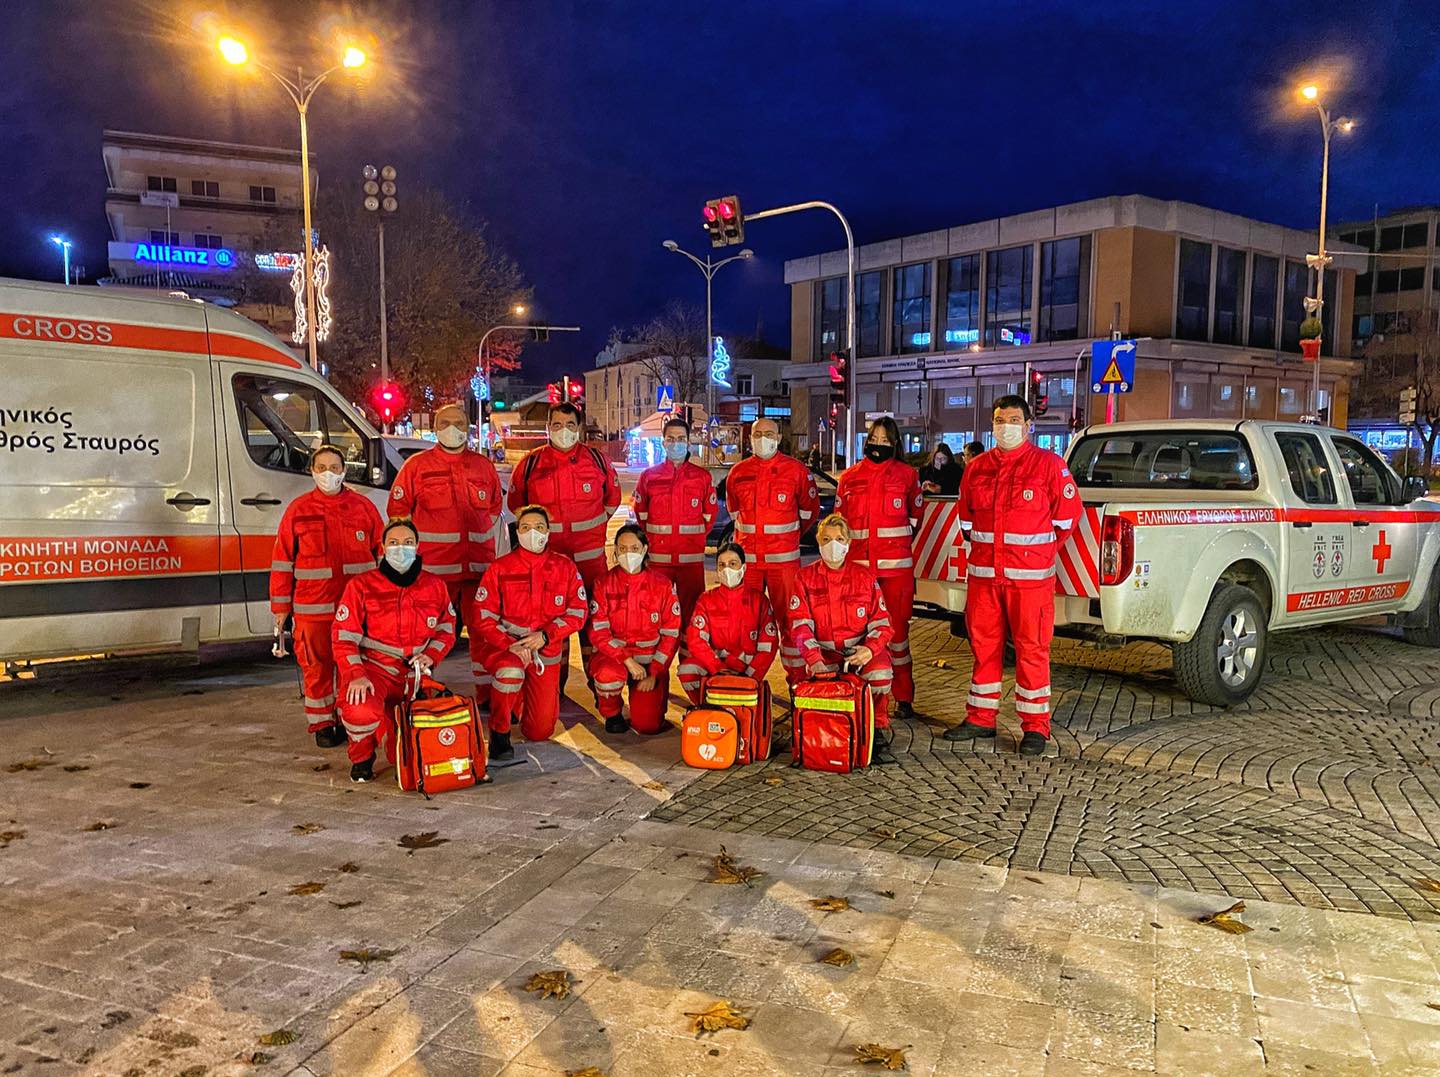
(942, 474)
(816, 459)
(972, 450)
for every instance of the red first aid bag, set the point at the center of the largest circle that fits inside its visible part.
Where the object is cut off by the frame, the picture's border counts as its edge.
(832, 723)
(749, 700)
(439, 746)
(709, 738)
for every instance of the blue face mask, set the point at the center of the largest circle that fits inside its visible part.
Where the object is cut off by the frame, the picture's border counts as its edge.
(677, 453)
(400, 558)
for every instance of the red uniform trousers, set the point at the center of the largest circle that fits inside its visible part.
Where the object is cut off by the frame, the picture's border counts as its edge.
(1027, 615)
(689, 581)
(371, 722)
(778, 581)
(877, 673)
(534, 693)
(647, 709)
(467, 612)
(899, 592)
(315, 655)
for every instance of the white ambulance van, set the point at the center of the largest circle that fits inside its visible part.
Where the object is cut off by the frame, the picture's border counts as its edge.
(148, 447)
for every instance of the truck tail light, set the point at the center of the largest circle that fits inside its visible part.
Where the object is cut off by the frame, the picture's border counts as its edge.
(1117, 550)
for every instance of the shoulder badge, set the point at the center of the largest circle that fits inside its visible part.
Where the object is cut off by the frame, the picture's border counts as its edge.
(654, 617)
(559, 600)
(1069, 489)
(860, 612)
(343, 613)
(698, 620)
(429, 622)
(397, 491)
(359, 536)
(481, 595)
(794, 602)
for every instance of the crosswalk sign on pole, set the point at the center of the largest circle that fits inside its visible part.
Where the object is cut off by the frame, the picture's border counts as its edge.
(665, 398)
(1112, 366)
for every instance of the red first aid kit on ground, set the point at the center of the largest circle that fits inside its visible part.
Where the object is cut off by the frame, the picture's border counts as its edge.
(439, 746)
(832, 723)
(749, 700)
(709, 738)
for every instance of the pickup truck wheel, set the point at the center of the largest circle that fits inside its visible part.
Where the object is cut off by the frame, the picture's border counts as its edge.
(1225, 659)
(1427, 635)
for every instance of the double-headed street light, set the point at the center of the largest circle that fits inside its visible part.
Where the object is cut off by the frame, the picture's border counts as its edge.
(64, 245)
(709, 267)
(352, 58)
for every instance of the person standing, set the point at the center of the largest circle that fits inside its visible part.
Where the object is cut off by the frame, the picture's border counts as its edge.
(972, 450)
(731, 631)
(880, 498)
(1016, 503)
(942, 474)
(325, 537)
(453, 495)
(772, 498)
(577, 487)
(675, 505)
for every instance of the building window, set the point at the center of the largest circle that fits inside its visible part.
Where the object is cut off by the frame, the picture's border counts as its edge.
(869, 326)
(262, 194)
(1229, 295)
(159, 235)
(1264, 291)
(1412, 279)
(1192, 396)
(1192, 297)
(1387, 281)
(831, 318)
(1390, 237)
(962, 303)
(784, 389)
(1363, 238)
(745, 384)
(912, 309)
(1364, 283)
(1009, 285)
(1297, 287)
(161, 183)
(1065, 288)
(1327, 312)
(205, 188)
(204, 239)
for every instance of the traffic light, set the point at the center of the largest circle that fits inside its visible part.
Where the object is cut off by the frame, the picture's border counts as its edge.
(577, 393)
(539, 333)
(388, 400)
(723, 221)
(554, 390)
(1039, 402)
(840, 377)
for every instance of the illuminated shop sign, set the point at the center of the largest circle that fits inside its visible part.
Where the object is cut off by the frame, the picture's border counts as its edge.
(195, 257)
(278, 261)
(962, 336)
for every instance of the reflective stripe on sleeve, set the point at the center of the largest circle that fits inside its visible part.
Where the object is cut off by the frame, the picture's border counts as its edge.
(357, 567)
(282, 566)
(348, 636)
(587, 555)
(443, 570)
(982, 536)
(1062, 525)
(314, 573)
(690, 558)
(661, 559)
(859, 532)
(982, 572)
(280, 600)
(326, 607)
(744, 529)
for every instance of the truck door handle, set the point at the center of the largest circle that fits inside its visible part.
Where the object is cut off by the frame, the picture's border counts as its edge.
(185, 501)
(1301, 523)
(1359, 523)
(259, 501)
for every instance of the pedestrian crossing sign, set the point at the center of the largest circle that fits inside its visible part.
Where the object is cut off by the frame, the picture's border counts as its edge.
(1112, 366)
(665, 398)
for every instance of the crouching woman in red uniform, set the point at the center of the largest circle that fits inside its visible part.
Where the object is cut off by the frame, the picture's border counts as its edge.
(391, 622)
(531, 602)
(839, 621)
(635, 627)
(731, 631)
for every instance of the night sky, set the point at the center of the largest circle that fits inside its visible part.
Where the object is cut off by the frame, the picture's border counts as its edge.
(586, 133)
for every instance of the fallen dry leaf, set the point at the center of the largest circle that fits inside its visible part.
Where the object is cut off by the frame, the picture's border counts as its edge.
(345, 904)
(727, 872)
(830, 904)
(428, 840)
(318, 767)
(1433, 1005)
(554, 984)
(774, 779)
(363, 957)
(349, 867)
(884, 832)
(720, 1015)
(308, 828)
(940, 663)
(74, 768)
(7, 836)
(1433, 885)
(99, 824)
(281, 1037)
(657, 786)
(29, 764)
(886, 894)
(841, 959)
(253, 1058)
(892, 1058)
(1223, 921)
(171, 1038)
(588, 1071)
(139, 785)
(304, 889)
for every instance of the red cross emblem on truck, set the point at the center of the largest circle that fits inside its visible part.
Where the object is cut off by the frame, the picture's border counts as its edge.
(1381, 552)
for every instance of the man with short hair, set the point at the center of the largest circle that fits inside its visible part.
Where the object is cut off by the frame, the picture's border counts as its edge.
(675, 505)
(973, 449)
(453, 494)
(1017, 503)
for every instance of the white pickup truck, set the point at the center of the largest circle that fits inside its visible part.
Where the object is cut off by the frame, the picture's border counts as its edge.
(1209, 535)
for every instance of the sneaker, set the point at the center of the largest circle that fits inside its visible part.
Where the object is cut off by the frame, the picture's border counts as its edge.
(332, 736)
(500, 747)
(904, 710)
(616, 723)
(968, 731)
(1033, 743)
(363, 772)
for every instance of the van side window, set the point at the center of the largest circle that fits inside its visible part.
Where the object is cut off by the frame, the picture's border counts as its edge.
(1369, 479)
(1307, 468)
(282, 421)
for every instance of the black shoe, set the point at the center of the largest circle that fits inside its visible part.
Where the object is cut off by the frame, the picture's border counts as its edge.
(1033, 743)
(332, 736)
(500, 747)
(616, 723)
(905, 711)
(363, 772)
(880, 749)
(968, 731)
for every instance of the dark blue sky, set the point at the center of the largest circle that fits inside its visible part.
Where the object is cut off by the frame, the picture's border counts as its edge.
(588, 132)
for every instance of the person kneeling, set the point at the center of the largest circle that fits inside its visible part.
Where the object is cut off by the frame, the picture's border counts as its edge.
(392, 624)
(731, 631)
(635, 628)
(531, 602)
(838, 621)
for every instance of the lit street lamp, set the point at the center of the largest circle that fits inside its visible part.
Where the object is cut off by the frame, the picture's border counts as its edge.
(235, 53)
(709, 267)
(64, 245)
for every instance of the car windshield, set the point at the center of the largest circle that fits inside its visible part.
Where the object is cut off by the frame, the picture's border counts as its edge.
(1164, 460)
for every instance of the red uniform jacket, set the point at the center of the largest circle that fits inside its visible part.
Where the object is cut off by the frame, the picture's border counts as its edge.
(524, 592)
(324, 540)
(838, 609)
(732, 628)
(578, 489)
(881, 503)
(454, 499)
(1015, 505)
(384, 624)
(636, 617)
(772, 501)
(675, 504)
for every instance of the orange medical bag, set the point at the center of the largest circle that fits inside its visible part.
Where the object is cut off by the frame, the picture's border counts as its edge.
(749, 700)
(439, 745)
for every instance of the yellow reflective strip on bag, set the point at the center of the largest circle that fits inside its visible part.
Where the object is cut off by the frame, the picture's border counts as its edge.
(751, 699)
(820, 703)
(458, 765)
(460, 716)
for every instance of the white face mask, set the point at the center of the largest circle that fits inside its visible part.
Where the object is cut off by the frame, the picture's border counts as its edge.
(534, 541)
(766, 447)
(564, 440)
(731, 577)
(1009, 435)
(834, 552)
(630, 562)
(329, 482)
(452, 437)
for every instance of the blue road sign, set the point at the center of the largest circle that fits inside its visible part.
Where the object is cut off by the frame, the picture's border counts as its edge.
(665, 398)
(1112, 366)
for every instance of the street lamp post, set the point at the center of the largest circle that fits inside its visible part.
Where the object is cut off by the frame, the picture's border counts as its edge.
(64, 245)
(709, 267)
(380, 200)
(300, 91)
(482, 364)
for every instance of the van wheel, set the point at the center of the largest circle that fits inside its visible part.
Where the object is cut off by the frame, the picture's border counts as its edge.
(1427, 635)
(1223, 662)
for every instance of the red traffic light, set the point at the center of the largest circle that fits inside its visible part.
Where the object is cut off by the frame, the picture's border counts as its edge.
(710, 213)
(554, 392)
(577, 388)
(727, 210)
(1036, 377)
